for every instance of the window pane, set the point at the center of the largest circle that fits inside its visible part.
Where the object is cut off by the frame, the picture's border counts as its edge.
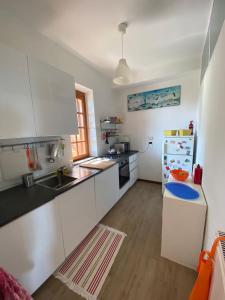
(80, 118)
(74, 150)
(79, 105)
(73, 138)
(81, 148)
(80, 142)
(81, 135)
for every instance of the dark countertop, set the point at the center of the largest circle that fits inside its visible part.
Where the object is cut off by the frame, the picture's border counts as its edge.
(122, 156)
(17, 201)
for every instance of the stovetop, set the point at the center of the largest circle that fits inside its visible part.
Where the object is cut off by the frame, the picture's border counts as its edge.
(112, 156)
(121, 156)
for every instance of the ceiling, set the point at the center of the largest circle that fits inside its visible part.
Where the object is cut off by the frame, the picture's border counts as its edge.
(163, 37)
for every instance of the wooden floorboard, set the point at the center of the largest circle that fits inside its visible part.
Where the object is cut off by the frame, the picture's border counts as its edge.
(139, 272)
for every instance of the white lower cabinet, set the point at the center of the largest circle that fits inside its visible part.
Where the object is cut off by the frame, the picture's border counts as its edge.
(106, 190)
(133, 176)
(123, 190)
(133, 166)
(32, 246)
(78, 213)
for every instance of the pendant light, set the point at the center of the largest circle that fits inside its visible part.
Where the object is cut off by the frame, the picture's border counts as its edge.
(122, 73)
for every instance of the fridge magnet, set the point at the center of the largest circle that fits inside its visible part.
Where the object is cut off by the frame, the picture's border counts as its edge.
(154, 99)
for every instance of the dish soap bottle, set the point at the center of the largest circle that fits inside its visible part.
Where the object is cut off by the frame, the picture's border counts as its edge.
(191, 127)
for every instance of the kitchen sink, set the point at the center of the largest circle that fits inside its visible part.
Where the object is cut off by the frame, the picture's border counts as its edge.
(56, 182)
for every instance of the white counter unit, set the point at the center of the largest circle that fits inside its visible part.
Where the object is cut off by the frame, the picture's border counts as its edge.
(183, 225)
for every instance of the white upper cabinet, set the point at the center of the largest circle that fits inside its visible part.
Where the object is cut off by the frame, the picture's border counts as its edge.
(16, 113)
(53, 95)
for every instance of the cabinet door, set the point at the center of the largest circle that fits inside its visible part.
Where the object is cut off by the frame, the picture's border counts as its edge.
(133, 157)
(78, 214)
(123, 190)
(133, 165)
(106, 190)
(16, 113)
(53, 94)
(133, 176)
(32, 246)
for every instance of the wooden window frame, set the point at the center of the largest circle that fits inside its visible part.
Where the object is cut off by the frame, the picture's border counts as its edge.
(80, 95)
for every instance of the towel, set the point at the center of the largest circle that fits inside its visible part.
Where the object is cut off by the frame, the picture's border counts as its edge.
(10, 289)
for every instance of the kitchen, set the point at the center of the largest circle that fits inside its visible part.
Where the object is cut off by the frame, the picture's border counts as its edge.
(81, 156)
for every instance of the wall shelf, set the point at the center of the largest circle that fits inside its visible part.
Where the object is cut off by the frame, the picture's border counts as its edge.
(109, 127)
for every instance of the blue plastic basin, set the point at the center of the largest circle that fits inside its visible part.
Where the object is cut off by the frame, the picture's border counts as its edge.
(182, 191)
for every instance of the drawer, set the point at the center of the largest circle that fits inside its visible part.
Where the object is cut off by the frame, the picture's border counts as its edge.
(133, 176)
(133, 165)
(133, 158)
(123, 190)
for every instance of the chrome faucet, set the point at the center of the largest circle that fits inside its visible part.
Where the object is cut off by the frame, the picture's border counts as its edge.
(60, 171)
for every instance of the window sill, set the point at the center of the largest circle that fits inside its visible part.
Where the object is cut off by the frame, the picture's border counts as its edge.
(78, 162)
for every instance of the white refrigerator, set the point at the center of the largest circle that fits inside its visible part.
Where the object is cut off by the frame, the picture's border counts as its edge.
(177, 153)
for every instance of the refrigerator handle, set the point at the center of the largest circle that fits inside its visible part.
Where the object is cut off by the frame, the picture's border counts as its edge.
(165, 148)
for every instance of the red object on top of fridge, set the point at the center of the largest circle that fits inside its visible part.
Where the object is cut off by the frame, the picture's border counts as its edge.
(191, 127)
(198, 175)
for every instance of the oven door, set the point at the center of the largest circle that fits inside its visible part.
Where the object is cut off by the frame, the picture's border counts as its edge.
(124, 174)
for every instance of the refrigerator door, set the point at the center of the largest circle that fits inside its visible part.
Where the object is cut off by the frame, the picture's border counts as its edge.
(171, 162)
(178, 145)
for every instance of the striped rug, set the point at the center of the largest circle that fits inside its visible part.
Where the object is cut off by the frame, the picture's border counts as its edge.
(86, 269)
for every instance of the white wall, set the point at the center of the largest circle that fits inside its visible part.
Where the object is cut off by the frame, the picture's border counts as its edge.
(14, 34)
(211, 145)
(140, 125)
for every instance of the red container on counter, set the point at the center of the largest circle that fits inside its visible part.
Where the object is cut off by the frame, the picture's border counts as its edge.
(198, 175)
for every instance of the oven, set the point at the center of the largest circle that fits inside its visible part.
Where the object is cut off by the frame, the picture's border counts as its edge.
(124, 172)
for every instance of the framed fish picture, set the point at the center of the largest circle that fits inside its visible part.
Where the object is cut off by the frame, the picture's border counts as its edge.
(154, 99)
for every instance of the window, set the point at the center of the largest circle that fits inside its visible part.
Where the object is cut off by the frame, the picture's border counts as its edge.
(79, 142)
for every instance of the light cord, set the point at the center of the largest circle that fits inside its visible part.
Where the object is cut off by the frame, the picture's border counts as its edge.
(122, 43)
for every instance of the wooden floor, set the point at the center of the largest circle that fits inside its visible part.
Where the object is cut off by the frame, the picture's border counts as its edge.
(138, 273)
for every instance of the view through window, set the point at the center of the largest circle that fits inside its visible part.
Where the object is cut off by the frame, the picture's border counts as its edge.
(79, 142)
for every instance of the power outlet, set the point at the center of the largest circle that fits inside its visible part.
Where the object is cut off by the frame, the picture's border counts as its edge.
(150, 140)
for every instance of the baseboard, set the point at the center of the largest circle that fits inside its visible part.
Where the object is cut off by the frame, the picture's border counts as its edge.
(150, 181)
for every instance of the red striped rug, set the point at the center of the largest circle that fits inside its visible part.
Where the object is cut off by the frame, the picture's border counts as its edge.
(86, 269)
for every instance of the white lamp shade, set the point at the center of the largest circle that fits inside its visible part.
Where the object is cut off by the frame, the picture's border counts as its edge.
(122, 74)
